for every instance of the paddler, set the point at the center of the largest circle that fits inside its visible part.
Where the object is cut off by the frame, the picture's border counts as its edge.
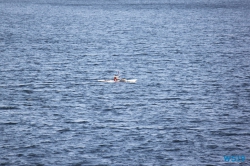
(116, 78)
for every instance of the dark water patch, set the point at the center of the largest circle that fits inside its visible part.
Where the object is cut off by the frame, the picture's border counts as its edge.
(180, 141)
(77, 121)
(32, 155)
(212, 146)
(9, 108)
(64, 130)
(9, 123)
(173, 149)
(229, 133)
(28, 91)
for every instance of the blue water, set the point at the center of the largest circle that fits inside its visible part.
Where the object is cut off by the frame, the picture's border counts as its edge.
(190, 105)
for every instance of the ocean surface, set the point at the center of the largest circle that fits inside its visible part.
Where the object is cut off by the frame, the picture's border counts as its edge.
(189, 106)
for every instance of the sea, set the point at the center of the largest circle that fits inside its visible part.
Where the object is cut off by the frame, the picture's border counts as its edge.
(190, 105)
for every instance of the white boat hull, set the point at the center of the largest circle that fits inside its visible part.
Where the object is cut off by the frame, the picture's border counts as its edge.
(123, 80)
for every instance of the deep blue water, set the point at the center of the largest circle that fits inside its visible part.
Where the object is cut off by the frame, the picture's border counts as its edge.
(190, 105)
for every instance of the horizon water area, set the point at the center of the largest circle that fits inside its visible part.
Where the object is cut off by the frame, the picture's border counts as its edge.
(190, 105)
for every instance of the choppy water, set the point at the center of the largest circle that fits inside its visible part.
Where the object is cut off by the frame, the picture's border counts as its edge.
(190, 105)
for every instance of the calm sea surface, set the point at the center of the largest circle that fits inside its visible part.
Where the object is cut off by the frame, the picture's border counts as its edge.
(190, 105)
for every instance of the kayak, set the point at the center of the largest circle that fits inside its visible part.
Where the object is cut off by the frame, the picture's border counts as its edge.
(122, 80)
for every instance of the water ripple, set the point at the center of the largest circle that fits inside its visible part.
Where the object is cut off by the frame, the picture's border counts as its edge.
(190, 105)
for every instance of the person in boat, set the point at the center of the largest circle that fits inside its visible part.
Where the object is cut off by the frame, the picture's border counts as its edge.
(116, 78)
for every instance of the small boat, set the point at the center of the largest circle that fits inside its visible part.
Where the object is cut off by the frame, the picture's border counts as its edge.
(117, 79)
(121, 80)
